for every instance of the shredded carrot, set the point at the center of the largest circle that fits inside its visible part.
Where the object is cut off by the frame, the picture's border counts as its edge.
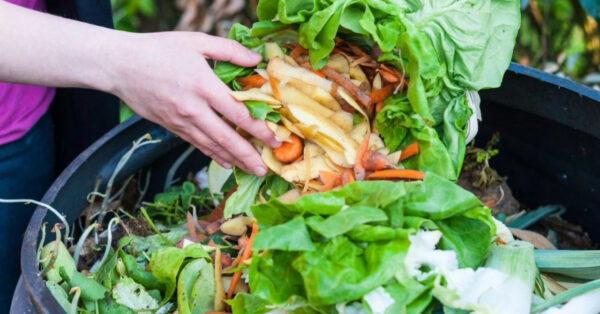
(218, 212)
(389, 76)
(191, 226)
(382, 93)
(255, 80)
(378, 106)
(289, 151)
(501, 241)
(327, 176)
(334, 89)
(346, 83)
(247, 253)
(247, 87)
(397, 174)
(409, 151)
(360, 61)
(319, 73)
(490, 203)
(373, 160)
(357, 50)
(348, 176)
(332, 184)
(297, 51)
(275, 88)
(358, 165)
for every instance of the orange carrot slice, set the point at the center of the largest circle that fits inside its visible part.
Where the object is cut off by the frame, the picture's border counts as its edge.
(409, 151)
(289, 151)
(255, 80)
(247, 253)
(397, 174)
(382, 93)
(275, 88)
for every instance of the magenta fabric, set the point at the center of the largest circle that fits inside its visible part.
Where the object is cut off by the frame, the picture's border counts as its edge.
(21, 106)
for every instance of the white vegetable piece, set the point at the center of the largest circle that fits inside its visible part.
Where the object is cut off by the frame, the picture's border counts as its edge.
(588, 303)
(237, 226)
(422, 252)
(378, 300)
(474, 101)
(502, 231)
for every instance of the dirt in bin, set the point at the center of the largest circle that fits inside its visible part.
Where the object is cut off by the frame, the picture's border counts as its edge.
(493, 190)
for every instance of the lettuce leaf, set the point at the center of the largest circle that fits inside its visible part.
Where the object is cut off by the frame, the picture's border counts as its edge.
(445, 47)
(290, 236)
(262, 111)
(243, 198)
(357, 241)
(167, 262)
(346, 220)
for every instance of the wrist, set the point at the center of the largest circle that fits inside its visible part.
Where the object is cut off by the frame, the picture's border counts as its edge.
(110, 59)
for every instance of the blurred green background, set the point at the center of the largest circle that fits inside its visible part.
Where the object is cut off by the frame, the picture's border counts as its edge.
(558, 36)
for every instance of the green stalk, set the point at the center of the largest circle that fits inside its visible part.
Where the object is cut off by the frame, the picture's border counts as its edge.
(98, 264)
(81, 241)
(54, 254)
(153, 226)
(584, 264)
(48, 207)
(77, 292)
(42, 240)
(566, 296)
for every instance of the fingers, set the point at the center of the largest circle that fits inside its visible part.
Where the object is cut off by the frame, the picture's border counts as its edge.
(223, 49)
(236, 112)
(244, 154)
(208, 147)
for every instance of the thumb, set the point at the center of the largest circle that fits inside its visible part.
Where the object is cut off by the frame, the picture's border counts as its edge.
(223, 49)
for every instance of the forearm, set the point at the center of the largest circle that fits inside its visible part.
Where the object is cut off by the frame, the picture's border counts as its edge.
(42, 49)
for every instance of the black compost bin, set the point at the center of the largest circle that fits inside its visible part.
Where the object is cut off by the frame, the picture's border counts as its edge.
(550, 142)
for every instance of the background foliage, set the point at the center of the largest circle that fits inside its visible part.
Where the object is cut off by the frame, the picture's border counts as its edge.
(558, 36)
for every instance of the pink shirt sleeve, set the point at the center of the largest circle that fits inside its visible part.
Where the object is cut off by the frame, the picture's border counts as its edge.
(21, 106)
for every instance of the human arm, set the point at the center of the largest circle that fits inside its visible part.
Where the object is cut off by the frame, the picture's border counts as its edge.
(164, 77)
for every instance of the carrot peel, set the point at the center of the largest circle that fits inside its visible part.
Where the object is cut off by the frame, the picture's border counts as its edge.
(382, 93)
(397, 174)
(275, 88)
(409, 151)
(289, 151)
(358, 166)
(247, 253)
(373, 160)
(255, 80)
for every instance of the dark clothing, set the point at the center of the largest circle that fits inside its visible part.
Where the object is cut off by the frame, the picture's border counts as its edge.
(28, 166)
(81, 116)
(26, 171)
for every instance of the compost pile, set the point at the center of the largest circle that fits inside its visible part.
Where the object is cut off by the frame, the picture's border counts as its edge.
(375, 102)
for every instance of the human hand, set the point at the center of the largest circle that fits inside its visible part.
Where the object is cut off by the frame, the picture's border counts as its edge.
(165, 78)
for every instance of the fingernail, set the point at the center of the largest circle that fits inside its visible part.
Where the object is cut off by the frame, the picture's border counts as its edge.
(254, 54)
(226, 165)
(275, 143)
(260, 171)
